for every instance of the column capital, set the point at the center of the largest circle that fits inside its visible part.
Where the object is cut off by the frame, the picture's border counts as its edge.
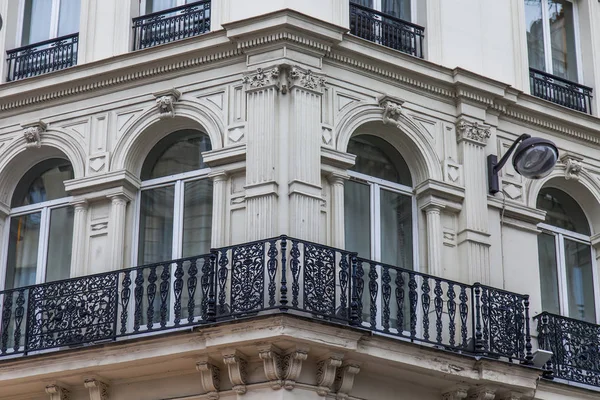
(218, 176)
(119, 198)
(337, 177)
(79, 204)
(472, 131)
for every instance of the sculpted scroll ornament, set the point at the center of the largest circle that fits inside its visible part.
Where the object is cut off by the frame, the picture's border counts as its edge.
(292, 365)
(57, 392)
(237, 367)
(473, 131)
(98, 390)
(272, 363)
(345, 379)
(211, 378)
(326, 373)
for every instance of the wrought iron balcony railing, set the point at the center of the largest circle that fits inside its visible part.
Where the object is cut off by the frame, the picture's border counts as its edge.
(170, 25)
(575, 346)
(386, 30)
(560, 91)
(43, 57)
(283, 275)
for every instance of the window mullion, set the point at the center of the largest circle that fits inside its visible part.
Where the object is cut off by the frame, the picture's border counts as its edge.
(547, 38)
(375, 223)
(42, 246)
(4, 252)
(596, 280)
(563, 289)
(178, 220)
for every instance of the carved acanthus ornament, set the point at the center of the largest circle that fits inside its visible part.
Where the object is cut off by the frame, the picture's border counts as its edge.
(57, 392)
(165, 102)
(472, 131)
(291, 366)
(210, 376)
(573, 166)
(326, 373)
(98, 390)
(306, 78)
(237, 367)
(262, 78)
(33, 134)
(344, 380)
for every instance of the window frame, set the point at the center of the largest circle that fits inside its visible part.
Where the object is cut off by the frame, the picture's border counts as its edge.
(177, 4)
(377, 6)
(54, 19)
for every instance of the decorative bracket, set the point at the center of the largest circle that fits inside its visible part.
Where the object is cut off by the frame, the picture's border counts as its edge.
(573, 166)
(455, 394)
(292, 365)
(210, 376)
(482, 393)
(272, 362)
(344, 380)
(473, 132)
(306, 79)
(98, 390)
(392, 109)
(165, 102)
(237, 366)
(326, 373)
(57, 392)
(33, 134)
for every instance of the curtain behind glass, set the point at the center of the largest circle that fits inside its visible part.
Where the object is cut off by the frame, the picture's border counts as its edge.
(562, 35)
(68, 19)
(578, 260)
(23, 246)
(397, 8)
(159, 5)
(60, 240)
(197, 217)
(357, 218)
(36, 21)
(548, 273)
(396, 229)
(156, 225)
(535, 34)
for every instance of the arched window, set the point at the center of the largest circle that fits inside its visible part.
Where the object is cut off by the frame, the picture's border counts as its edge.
(176, 199)
(378, 203)
(41, 226)
(565, 257)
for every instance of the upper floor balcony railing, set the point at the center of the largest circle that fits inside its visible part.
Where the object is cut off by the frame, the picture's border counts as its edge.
(575, 346)
(279, 275)
(560, 91)
(43, 57)
(170, 25)
(386, 30)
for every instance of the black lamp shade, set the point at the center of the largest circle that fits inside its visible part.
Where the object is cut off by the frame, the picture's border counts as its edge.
(535, 158)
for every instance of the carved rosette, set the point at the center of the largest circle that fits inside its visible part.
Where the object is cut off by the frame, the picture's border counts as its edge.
(291, 366)
(326, 373)
(210, 376)
(33, 134)
(473, 132)
(98, 390)
(272, 364)
(165, 102)
(237, 367)
(262, 78)
(57, 392)
(573, 166)
(306, 78)
(344, 380)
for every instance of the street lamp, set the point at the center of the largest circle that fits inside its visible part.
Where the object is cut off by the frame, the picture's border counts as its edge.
(534, 159)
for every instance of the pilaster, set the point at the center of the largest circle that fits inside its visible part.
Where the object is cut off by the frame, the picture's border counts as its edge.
(433, 212)
(78, 250)
(336, 180)
(219, 213)
(118, 208)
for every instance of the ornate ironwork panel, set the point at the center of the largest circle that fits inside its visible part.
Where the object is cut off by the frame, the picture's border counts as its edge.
(247, 278)
(82, 310)
(560, 91)
(319, 279)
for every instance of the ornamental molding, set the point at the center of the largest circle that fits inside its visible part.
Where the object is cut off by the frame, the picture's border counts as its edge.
(573, 166)
(57, 392)
(33, 134)
(326, 373)
(272, 363)
(306, 79)
(283, 36)
(472, 131)
(238, 370)
(344, 380)
(165, 102)
(291, 365)
(210, 376)
(262, 78)
(98, 389)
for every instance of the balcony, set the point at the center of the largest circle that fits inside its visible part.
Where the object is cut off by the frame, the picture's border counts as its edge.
(279, 275)
(560, 91)
(386, 30)
(167, 26)
(43, 57)
(575, 346)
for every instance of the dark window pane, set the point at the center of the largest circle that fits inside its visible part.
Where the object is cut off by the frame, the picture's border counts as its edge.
(156, 225)
(60, 241)
(357, 218)
(535, 34)
(43, 182)
(378, 158)
(580, 283)
(562, 211)
(23, 250)
(548, 273)
(197, 217)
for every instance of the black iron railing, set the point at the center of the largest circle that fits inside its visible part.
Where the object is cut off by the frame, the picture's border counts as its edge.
(560, 91)
(575, 346)
(43, 57)
(386, 30)
(170, 25)
(275, 275)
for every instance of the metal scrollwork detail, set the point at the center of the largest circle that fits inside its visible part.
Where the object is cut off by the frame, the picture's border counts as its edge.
(319, 279)
(247, 278)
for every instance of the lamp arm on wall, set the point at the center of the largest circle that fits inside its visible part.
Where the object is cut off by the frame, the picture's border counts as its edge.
(494, 166)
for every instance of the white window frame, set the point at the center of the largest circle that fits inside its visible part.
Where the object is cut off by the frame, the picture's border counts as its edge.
(548, 42)
(54, 17)
(413, 9)
(45, 209)
(177, 4)
(559, 242)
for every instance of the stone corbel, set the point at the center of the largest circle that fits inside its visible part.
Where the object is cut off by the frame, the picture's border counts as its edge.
(165, 102)
(57, 392)
(262, 78)
(326, 373)
(33, 134)
(512, 396)
(306, 79)
(344, 380)
(237, 367)
(272, 363)
(472, 131)
(392, 109)
(98, 389)
(572, 165)
(291, 366)
(210, 376)
(457, 393)
(482, 393)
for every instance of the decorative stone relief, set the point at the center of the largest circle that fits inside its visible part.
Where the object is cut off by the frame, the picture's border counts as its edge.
(235, 135)
(326, 135)
(262, 78)
(291, 366)
(237, 367)
(573, 166)
(482, 393)
(344, 379)
(165, 102)
(306, 78)
(326, 373)
(513, 191)
(97, 163)
(98, 390)
(272, 362)
(210, 376)
(452, 172)
(449, 237)
(33, 134)
(392, 110)
(473, 131)
(455, 394)
(57, 392)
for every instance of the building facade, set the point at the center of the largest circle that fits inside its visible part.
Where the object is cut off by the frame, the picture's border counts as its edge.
(289, 200)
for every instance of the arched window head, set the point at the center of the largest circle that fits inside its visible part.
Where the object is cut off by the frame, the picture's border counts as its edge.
(377, 158)
(43, 182)
(177, 153)
(562, 211)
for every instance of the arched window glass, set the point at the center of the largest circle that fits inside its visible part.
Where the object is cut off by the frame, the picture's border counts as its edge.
(176, 199)
(41, 226)
(565, 257)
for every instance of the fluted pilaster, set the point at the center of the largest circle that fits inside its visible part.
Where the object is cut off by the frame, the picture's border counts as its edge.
(80, 221)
